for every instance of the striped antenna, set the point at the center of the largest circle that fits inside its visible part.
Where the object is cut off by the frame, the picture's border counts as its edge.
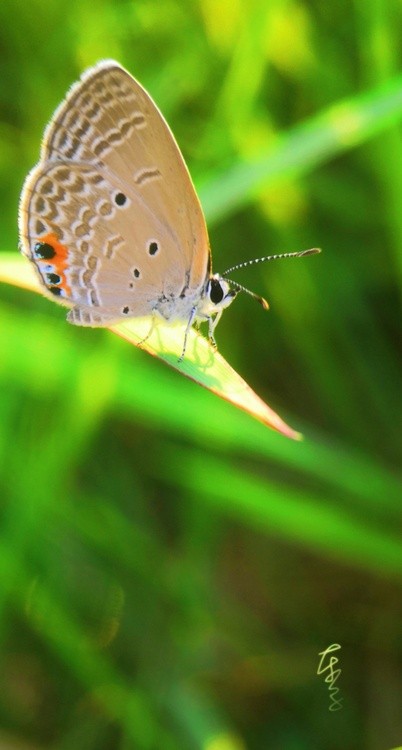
(241, 288)
(311, 251)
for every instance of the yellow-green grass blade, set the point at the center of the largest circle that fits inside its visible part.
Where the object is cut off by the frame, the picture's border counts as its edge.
(201, 363)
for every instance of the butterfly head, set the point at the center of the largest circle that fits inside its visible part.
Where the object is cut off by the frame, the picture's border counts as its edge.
(218, 295)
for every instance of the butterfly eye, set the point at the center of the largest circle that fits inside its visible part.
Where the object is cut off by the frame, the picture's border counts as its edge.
(215, 292)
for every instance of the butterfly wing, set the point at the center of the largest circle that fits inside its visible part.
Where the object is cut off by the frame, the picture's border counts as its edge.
(113, 199)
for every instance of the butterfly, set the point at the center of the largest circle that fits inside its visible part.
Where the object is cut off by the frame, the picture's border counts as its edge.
(109, 216)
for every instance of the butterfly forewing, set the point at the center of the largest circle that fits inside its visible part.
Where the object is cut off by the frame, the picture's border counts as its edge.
(114, 198)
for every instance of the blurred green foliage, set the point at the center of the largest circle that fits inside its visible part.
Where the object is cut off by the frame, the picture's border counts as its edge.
(169, 568)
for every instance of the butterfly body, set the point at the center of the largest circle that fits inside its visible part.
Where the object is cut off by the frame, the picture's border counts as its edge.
(110, 218)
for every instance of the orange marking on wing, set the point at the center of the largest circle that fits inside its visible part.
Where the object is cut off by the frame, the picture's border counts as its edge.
(59, 261)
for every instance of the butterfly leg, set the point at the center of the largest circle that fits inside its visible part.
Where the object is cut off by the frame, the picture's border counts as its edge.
(150, 332)
(188, 326)
(212, 323)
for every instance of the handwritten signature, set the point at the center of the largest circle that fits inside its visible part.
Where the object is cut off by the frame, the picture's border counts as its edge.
(332, 676)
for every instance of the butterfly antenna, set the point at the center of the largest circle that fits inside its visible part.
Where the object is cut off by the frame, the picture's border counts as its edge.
(241, 288)
(311, 251)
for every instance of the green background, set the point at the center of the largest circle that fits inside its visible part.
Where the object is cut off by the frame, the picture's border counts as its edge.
(170, 568)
